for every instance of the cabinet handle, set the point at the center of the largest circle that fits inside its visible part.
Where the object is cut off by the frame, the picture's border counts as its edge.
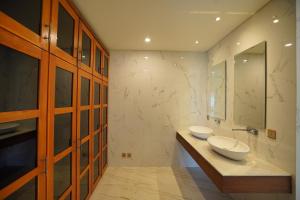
(46, 37)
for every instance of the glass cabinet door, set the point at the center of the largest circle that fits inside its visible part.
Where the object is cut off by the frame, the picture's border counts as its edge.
(84, 134)
(96, 132)
(105, 67)
(98, 60)
(29, 20)
(64, 31)
(62, 129)
(85, 53)
(23, 104)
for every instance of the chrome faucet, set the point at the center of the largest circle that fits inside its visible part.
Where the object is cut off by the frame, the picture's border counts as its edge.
(250, 130)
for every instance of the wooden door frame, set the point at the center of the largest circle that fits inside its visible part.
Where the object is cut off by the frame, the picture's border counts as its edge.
(83, 27)
(20, 30)
(55, 63)
(54, 25)
(12, 41)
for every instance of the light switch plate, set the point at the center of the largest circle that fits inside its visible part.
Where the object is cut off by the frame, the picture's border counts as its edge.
(271, 134)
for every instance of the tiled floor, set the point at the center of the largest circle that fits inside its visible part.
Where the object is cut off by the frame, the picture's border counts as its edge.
(156, 183)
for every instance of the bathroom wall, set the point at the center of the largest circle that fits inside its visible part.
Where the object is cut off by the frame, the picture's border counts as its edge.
(298, 101)
(151, 95)
(281, 84)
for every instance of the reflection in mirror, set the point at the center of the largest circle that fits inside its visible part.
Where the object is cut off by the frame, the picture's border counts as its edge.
(217, 91)
(250, 87)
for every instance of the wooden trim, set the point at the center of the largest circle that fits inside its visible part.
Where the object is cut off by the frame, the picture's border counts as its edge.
(83, 28)
(20, 30)
(66, 193)
(63, 154)
(238, 184)
(54, 25)
(18, 115)
(12, 41)
(8, 190)
(64, 110)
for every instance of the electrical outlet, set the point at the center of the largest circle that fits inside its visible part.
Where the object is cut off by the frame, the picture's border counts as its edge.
(271, 134)
(128, 155)
(123, 155)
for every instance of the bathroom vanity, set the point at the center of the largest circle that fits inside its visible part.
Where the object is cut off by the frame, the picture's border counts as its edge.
(251, 175)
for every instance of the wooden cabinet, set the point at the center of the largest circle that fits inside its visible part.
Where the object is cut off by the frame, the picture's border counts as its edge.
(23, 78)
(28, 19)
(104, 124)
(105, 68)
(54, 77)
(64, 31)
(62, 129)
(98, 59)
(86, 50)
(96, 132)
(84, 135)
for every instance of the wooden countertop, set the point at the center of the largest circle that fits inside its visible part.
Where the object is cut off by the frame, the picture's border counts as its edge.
(251, 175)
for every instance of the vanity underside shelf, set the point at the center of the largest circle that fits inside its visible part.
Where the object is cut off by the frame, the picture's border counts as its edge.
(235, 176)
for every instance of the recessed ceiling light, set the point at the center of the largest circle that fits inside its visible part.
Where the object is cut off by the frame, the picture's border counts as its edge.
(288, 44)
(146, 57)
(275, 19)
(218, 19)
(238, 43)
(196, 42)
(147, 39)
(181, 57)
(245, 61)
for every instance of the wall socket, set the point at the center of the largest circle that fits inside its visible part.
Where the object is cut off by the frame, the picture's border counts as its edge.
(271, 134)
(126, 155)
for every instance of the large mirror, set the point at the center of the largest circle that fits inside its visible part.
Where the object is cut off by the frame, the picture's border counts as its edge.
(217, 91)
(250, 87)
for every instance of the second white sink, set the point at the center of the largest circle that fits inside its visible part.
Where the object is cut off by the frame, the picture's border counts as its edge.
(201, 132)
(229, 147)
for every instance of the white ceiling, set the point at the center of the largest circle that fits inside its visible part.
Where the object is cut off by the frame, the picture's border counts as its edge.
(171, 24)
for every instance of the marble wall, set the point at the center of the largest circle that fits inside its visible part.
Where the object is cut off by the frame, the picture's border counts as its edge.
(281, 84)
(298, 101)
(151, 95)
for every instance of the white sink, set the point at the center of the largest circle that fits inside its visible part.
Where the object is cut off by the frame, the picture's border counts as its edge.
(201, 132)
(229, 147)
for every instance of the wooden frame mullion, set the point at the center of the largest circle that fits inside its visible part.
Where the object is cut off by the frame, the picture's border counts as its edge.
(10, 40)
(52, 112)
(20, 30)
(54, 25)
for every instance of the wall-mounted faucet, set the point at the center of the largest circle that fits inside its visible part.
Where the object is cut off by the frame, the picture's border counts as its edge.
(250, 130)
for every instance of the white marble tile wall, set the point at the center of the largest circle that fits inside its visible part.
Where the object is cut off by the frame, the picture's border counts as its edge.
(298, 100)
(281, 83)
(151, 95)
